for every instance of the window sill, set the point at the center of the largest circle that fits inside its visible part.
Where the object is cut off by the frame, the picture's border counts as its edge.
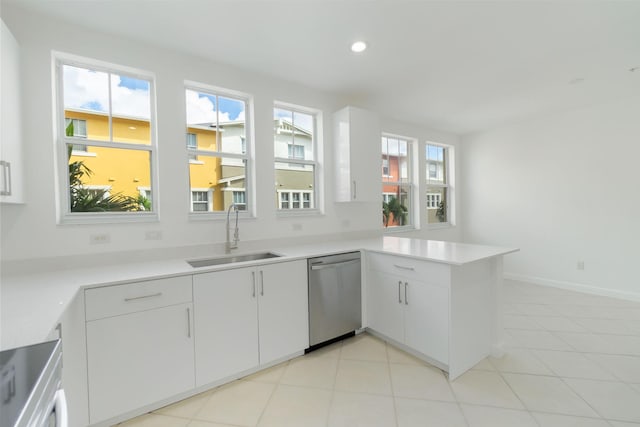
(218, 216)
(398, 229)
(289, 213)
(439, 225)
(81, 218)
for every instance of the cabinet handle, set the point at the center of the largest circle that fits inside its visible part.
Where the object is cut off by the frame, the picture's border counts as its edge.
(253, 294)
(355, 190)
(261, 283)
(188, 322)
(406, 300)
(399, 294)
(143, 297)
(402, 267)
(6, 174)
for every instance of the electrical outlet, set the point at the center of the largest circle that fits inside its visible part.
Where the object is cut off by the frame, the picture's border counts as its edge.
(99, 239)
(296, 226)
(580, 265)
(153, 235)
(346, 223)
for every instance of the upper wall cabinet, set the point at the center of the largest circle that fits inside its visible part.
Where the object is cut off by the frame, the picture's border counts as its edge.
(11, 182)
(357, 155)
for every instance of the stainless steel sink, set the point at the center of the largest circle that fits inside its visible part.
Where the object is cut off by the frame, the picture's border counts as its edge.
(230, 259)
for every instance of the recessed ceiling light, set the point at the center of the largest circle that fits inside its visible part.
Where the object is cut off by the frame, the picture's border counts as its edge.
(358, 46)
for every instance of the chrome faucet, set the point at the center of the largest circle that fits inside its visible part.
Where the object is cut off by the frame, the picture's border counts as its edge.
(236, 237)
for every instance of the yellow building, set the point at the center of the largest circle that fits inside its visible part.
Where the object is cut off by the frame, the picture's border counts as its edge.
(128, 172)
(216, 180)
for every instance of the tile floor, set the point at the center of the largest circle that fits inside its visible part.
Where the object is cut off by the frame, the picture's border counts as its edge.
(572, 360)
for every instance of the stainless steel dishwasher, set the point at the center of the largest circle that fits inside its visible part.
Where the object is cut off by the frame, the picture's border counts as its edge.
(335, 301)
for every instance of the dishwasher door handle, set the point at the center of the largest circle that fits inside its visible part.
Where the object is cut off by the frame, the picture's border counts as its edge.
(320, 266)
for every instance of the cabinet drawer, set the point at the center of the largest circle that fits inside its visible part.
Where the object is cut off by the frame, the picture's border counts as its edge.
(410, 268)
(115, 300)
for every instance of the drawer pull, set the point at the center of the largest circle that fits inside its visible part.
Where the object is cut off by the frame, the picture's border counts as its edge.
(143, 297)
(403, 267)
(399, 295)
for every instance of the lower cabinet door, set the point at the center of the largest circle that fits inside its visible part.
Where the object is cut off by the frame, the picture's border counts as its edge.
(427, 319)
(138, 359)
(226, 323)
(385, 304)
(283, 309)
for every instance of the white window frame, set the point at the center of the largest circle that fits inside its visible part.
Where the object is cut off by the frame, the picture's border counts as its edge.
(414, 216)
(247, 146)
(316, 150)
(63, 213)
(449, 185)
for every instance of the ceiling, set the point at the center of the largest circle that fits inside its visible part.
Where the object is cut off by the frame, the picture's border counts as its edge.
(459, 66)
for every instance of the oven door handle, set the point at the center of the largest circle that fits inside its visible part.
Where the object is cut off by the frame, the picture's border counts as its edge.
(320, 266)
(60, 407)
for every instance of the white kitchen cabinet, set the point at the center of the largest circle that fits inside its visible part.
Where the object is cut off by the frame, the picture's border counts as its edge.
(283, 310)
(384, 305)
(11, 157)
(408, 306)
(143, 356)
(358, 156)
(226, 324)
(426, 319)
(249, 317)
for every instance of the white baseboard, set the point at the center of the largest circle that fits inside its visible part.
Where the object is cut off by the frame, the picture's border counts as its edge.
(572, 286)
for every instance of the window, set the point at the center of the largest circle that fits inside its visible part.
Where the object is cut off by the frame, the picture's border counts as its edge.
(192, 145)
(200, 201)
(78, 129)
(217, 147)
(295, 165)
(438, 187)
(106, 137)
(295, 200)
(296, 152)
(239, 199)
(397, 182)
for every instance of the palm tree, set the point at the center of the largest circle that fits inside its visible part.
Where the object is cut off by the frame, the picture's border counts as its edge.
(395, 211)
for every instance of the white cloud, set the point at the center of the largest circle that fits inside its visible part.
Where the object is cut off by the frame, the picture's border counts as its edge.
(129, 102)
(200, 109)
(89, 90)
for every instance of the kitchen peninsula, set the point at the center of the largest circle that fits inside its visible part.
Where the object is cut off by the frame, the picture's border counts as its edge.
(440, 301)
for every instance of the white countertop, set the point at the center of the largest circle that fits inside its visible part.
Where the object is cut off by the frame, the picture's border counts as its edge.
(33, 303)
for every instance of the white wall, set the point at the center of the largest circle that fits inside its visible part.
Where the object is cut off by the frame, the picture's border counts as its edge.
(30, 231)
(563, 188)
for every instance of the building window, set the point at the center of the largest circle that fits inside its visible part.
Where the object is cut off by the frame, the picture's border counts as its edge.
(218, 150)
(295, 200)
(438, 186)
(107, 140)
(397, 182)
(76, 128)
(283, 198)
(192, 145)
(295, 158)
(200, 201)
(239, 199)
(296, 152)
